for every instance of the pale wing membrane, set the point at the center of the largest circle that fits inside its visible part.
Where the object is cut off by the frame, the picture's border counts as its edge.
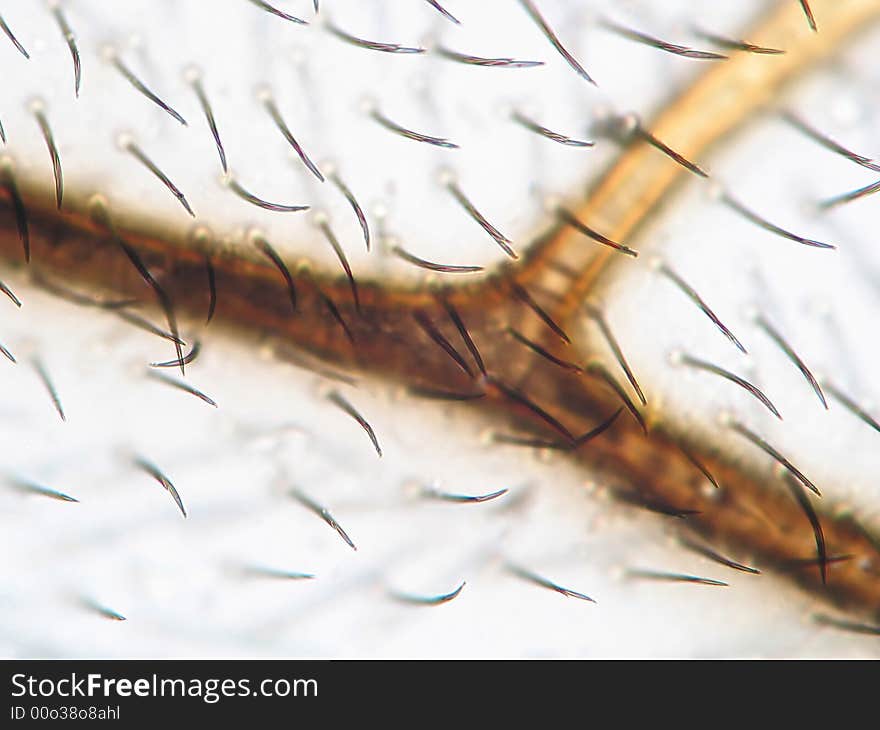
(192, 587)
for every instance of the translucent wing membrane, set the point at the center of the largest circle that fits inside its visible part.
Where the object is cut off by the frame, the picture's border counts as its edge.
(438, 283)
